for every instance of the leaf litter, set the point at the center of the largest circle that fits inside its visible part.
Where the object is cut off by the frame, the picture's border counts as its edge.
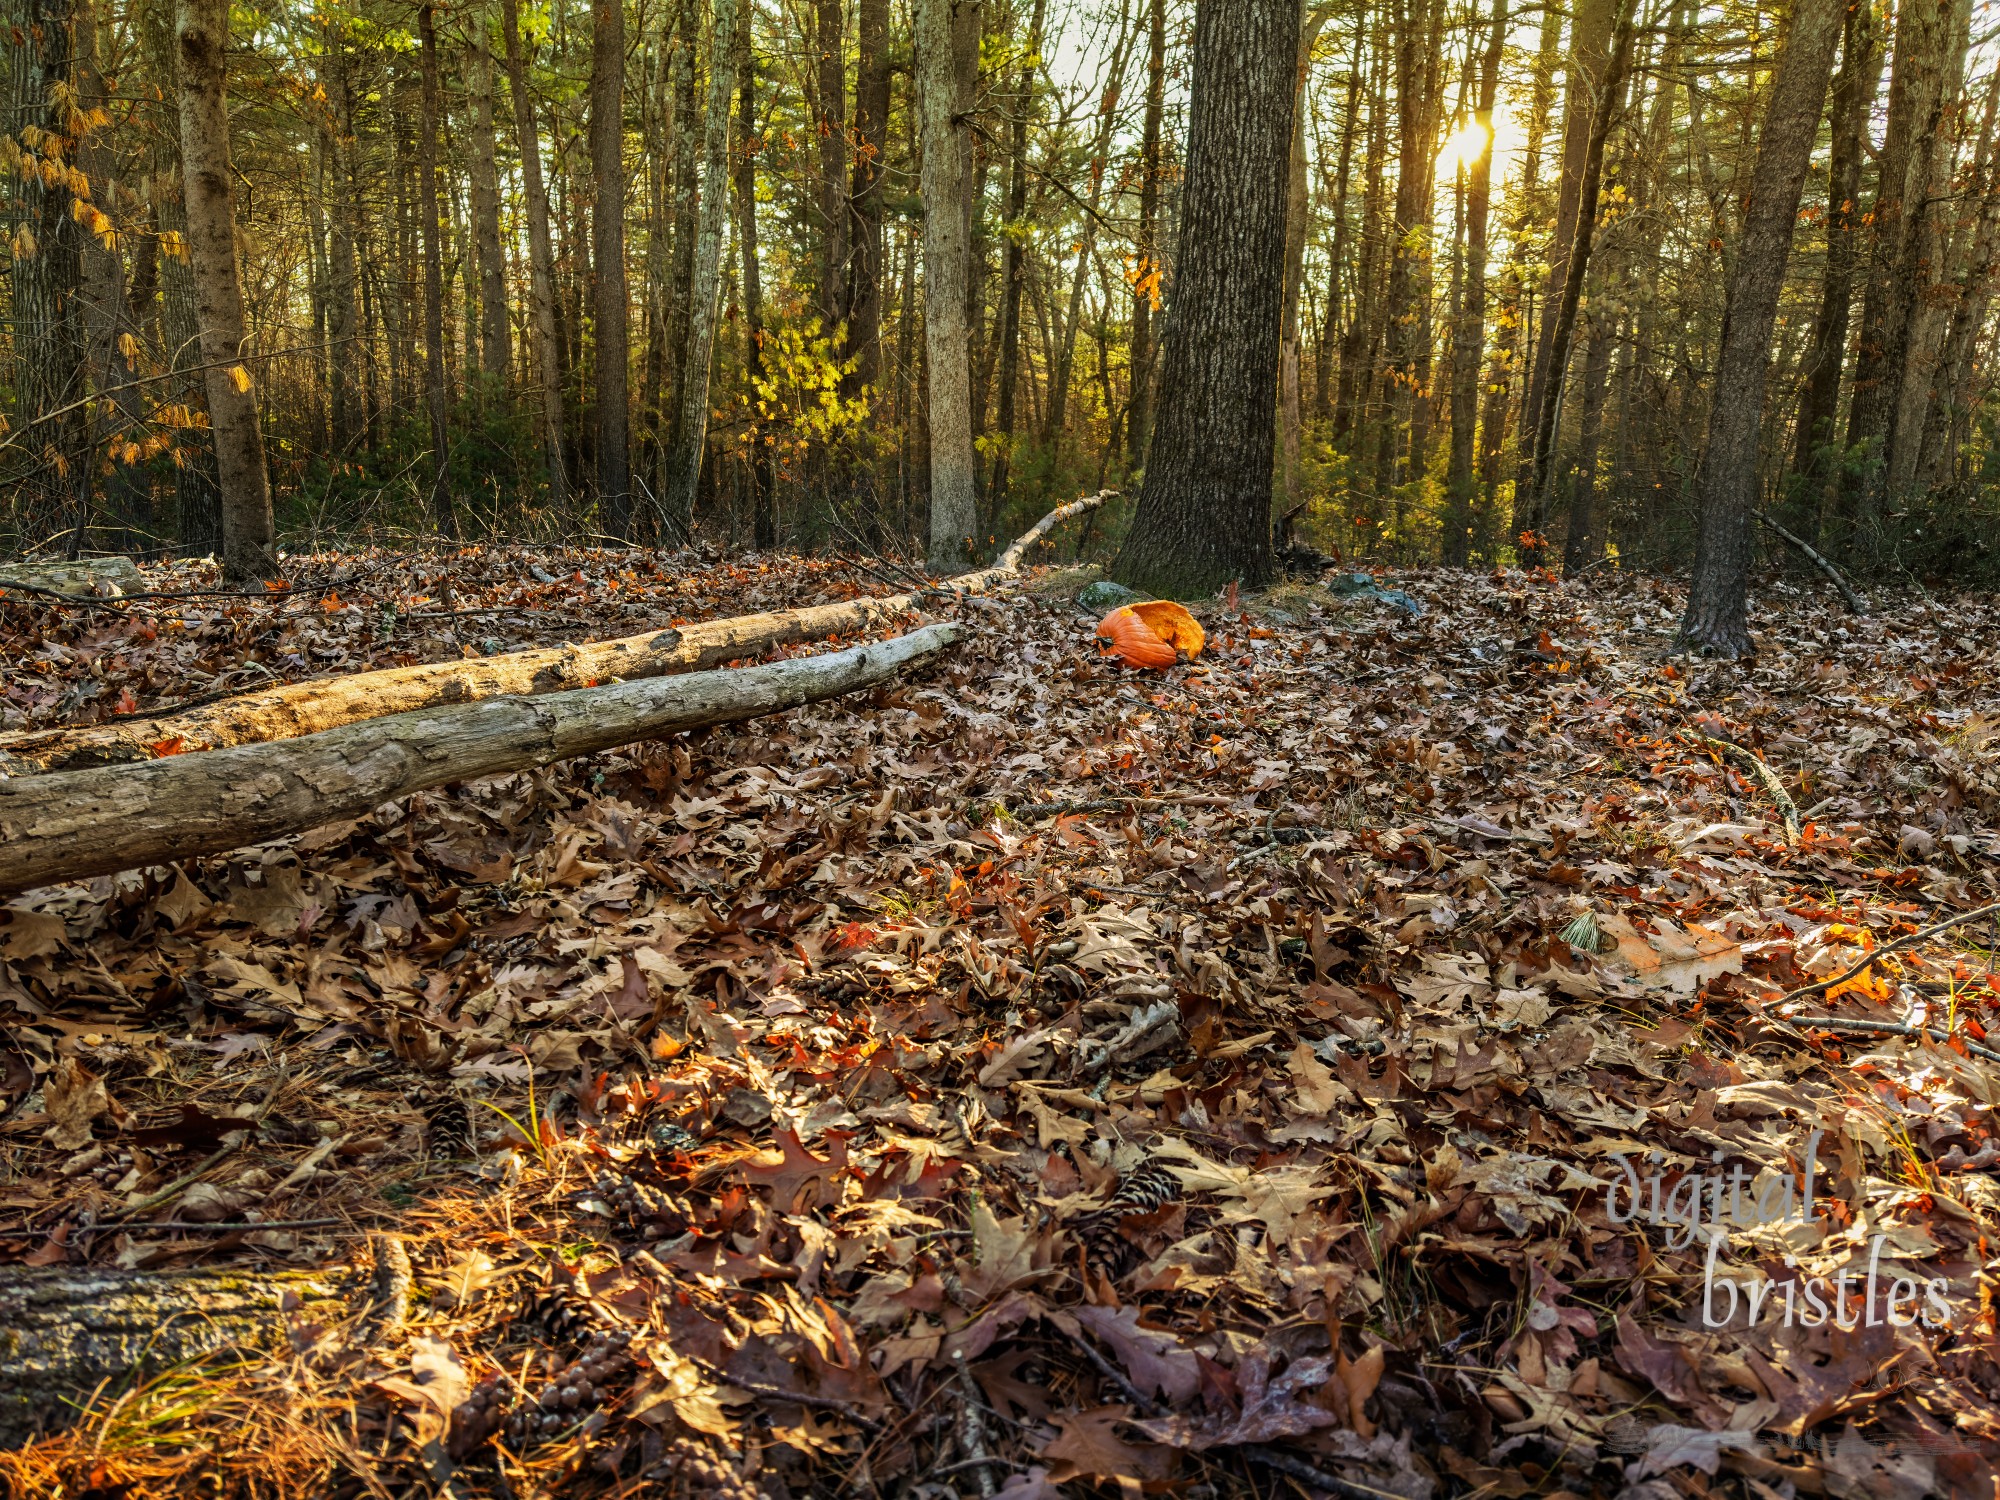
(1043, 1076)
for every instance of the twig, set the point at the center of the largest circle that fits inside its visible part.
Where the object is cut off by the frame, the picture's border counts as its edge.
(778, 1393)
(1298, 1468)
(388, 1292)
(1909, 939)
(1857, 603)
(1890, 1028)
(971, 1429)
(1753, 766)
(232, 1227)
(179, 1185)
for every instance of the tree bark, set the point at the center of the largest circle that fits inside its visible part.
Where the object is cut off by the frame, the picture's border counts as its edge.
(1468, 337)
(1146, 286)
(541, 256)
(1562, 322)
(248, 533)
(496, 354)
(431, 230)
(830, 42)
(1853, 102)
(81, 823)
(871, 143)
(688, 144)
(764, 524)
(947, 189)
(1298, 207)
(1924, 30)
(1204, 514)
(690, 437)
(613, 310)
(1716, 621)
(1013, 263)
(73, 1332)
(349, 414)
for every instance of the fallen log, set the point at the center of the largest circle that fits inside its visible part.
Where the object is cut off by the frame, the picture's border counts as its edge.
(69, 1332)
(85, 578)
(303, 708)
(74, 824)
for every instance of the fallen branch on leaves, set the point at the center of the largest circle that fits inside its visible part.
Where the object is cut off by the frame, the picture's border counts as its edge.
(303, 708)
(1891, 1028)
(1753, 766)
(78, 823)
(1857, 603)
(1907, 940)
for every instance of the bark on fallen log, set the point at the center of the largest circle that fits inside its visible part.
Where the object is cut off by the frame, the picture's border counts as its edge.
(75, 824)
(304, 708)
(63, 1333)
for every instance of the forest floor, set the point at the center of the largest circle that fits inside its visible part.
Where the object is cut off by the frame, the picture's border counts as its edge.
(1046, 1074)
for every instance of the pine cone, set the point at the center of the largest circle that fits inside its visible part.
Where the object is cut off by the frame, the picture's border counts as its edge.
(577, 1388)
(448, 1129)
(701, 1471)
(1146, 1189)
(556, 1315)
(476, 1418)
(658, 1214)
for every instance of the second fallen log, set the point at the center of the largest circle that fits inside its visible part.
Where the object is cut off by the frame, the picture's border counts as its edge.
(72, 824)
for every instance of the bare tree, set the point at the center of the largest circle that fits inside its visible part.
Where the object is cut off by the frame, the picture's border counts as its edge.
(614, 352)
(541, 254)
(942, 27)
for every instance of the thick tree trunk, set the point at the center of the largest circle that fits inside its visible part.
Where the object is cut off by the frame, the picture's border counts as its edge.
(343, 283)
(1298, 205)
(541, 256)
(248, 534)
(1976, 273)
(1562, 318)
(496, 353)
(764, 524)
(1924, 32)
(1146, 289)
(81, 823)
(871, 144)
(1204, 515)
(1589, 55)
(830, 41)
(1853, 102)
(1584, 542)
(690, 436)
(71, 1333)
(1013, 264)
(1716, 621)
(688, 143)
(1467, 338)
(947, 189)
(431, 229)
(614, 352)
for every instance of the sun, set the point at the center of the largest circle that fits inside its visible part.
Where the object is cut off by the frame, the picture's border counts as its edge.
(1463, 147)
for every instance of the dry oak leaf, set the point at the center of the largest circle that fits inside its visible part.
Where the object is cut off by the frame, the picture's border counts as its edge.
(1088, 1449)
(1670, 958)
(74, 1099)
(437, 1383)
(792, 1172)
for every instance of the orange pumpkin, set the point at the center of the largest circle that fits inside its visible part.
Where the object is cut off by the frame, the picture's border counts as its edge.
(1146, 635)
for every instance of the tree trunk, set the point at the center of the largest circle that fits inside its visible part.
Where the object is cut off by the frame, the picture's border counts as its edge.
(871, 144)
(1298, 207)
(690, 436)
(248, 537)
(1562, 320)
(431, 229)
(1013, 262)
(688, 144)
(1331, 325)
(81, 823)
(496, 355)
(1589, 53)
(541, 257)
(947, 189)
(830, 40)
(764, 525)
(1853, 103)
(343, 329)
(74, 1332)
(1975, 273)
(1924, 31)
(1146, 284)
(1716, 621)
(1584, 542)
(1204, 515)
(613, 310)
(1468, 338)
